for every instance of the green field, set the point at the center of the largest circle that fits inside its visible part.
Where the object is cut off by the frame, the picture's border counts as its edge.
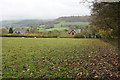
(70, 23)
(58, 57)
(58, 26)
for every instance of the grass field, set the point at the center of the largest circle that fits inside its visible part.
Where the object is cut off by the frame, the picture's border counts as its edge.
(70, 23)
(58, 57)
(58, 26)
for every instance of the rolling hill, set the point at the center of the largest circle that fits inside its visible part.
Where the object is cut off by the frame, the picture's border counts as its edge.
(60, 23)
(54, 21)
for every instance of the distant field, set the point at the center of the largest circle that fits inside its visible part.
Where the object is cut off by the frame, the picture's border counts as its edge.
(70, 23)
(58, 26)
(58, 57)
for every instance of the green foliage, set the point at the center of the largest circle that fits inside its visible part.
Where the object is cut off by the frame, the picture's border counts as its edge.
(3, 31)
(31, 35)
(10, 30)
(87, 32)
(106, 33)
(89, 35)
(79, 35)
(105, 17)
(34, 30)
(98, 36)
(63, 34)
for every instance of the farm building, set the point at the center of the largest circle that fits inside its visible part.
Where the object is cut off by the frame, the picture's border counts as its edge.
(72, 32)
(21, 31)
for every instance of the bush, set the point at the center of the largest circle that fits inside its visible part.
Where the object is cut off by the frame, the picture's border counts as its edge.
(30, 35)
(89, 35)
(98, 36)
(79, 36)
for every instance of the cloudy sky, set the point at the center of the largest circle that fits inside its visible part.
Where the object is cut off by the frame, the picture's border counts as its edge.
(41, 9)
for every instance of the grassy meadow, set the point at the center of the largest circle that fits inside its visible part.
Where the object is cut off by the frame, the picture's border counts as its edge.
(58, 57)
(70, 23)
(63, 23)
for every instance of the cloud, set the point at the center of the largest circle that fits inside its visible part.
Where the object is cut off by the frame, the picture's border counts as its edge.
(41, 9)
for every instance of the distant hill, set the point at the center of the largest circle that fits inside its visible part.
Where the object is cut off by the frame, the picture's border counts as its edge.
(74, 19)
(48, 22)
(27, 21)
(70, 19)
(8, 22)
(12, 22)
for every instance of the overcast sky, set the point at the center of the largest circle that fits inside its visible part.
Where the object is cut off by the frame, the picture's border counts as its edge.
(41, 9)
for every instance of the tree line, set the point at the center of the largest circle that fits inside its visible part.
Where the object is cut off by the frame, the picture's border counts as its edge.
(106, 19)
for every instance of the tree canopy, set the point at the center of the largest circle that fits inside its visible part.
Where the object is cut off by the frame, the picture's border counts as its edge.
(10, 30)
(105, 18)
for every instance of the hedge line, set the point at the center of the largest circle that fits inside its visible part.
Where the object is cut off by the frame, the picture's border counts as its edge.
(29, 35)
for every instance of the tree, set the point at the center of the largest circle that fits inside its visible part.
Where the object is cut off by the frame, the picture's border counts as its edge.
(105, 17)
(89, 35)
(31, 31)
(10, 30)
(66, 30)
(34, 30)
(4, 31)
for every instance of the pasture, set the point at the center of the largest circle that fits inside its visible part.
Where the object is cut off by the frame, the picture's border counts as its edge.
(63, 23)
(58, 58)
(70, 23)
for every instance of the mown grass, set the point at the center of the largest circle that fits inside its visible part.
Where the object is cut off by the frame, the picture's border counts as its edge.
(58, 58)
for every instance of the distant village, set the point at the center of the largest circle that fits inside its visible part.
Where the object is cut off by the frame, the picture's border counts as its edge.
(74, 32)
(64, 27)
(70, 32)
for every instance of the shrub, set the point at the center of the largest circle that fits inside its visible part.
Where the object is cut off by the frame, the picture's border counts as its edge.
(89, 35)
(10, 30)
(79, 36)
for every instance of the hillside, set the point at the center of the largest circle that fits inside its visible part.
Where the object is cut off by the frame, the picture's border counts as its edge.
(12, 22)
(74, 19)
(69, 19)
(55, 21)
(60, 23)
(61, 26)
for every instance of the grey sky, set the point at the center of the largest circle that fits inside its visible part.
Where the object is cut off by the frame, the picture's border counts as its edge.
(41, 9)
